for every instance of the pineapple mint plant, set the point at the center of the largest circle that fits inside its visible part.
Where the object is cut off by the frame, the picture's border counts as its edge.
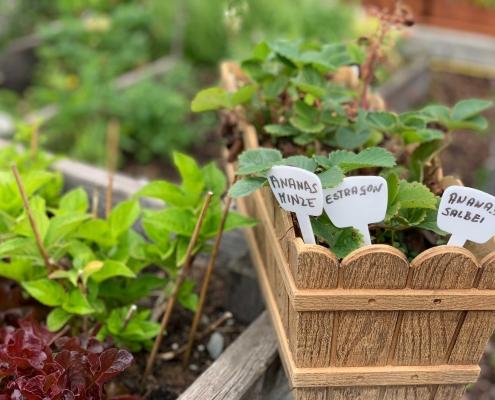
(98, 272)
(313, 107)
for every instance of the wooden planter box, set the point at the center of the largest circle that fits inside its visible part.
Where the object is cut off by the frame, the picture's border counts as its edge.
(372, 326)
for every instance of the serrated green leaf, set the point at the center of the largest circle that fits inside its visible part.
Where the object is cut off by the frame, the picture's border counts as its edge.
(302, 162)
(331, 177)
(305, 118)
(368, 158)
(46, 291)
(430, 223)
(415, 195)
(246, 186)
(466, 109)
(341, 241)
(274, 87)
(422, 135)
(280, 130)
(382, 121)
(259, 160)
(421, 155)
(309, 80)
(349, 138)
(436, 112)
(477, 123)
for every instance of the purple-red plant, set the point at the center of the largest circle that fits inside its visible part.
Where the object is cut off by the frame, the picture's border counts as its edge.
(35, 364)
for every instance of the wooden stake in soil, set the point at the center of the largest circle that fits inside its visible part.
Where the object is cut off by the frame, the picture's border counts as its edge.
(178, 283)
(113, 139)
(35, 140)
(206, 281)
(94, 203)
(27, 207)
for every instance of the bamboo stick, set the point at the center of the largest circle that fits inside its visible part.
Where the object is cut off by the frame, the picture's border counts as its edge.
(178, 283)
(206, 281)
(36, 232)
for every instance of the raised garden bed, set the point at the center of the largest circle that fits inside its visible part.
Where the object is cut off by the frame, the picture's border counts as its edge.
(231, 290)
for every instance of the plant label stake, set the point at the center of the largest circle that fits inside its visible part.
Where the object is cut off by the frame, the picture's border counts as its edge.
(298, 191)
(357, 202)
(468, 214)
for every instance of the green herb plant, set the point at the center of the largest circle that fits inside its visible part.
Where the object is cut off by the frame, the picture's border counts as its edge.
(99, 270)
(313, 110)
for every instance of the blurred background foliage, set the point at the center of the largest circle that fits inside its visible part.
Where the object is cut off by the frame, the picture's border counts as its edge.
(83, 46)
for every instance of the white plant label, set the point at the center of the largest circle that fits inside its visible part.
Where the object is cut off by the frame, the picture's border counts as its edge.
(357, 202)
(298, 191)
(468, 214)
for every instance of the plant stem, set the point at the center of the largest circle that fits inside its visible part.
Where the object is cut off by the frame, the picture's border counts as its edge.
(206, 281)
(94, 203)
(113, 139)
(178, 283)
(128, 317)
(34, 141)
(27, 207)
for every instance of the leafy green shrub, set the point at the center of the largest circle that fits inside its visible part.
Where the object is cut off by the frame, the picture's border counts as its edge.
(295, 96)
(96, 269)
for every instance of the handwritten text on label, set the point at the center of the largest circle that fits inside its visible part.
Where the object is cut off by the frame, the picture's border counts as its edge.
(357, 202)
(468, 214)
(298, 191)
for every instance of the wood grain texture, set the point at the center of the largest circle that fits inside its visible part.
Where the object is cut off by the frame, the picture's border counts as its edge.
(478, 325)
(313, 266)
(449, 392)
(407, 393)
(363, 338)
(310, 337)
(425, 338)
(311, 331)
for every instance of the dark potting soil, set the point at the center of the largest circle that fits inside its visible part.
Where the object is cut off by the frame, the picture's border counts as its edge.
(169, 379)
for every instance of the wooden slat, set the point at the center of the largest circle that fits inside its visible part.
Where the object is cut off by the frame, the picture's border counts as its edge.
(394, 299)
(449, 392)
(478, 325)
(425, 337)
(310, 334)
(364, 337)
(313, 266)
(385, 376)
